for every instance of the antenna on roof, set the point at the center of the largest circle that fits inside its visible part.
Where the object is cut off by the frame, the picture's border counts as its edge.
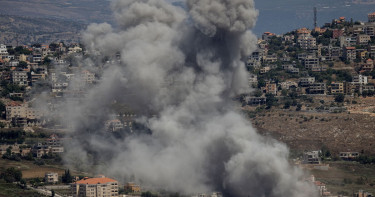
(315, 17)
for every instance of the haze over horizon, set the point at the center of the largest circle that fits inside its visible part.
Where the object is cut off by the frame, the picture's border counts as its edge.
(274, 15)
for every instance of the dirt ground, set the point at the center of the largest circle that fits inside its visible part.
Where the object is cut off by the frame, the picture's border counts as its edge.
(30, 170)
(347, 177)
(353, 130)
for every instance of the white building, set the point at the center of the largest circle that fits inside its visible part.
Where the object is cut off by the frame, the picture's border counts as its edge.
(311, 157)
(51, 177)
(87, 77)
(20, 78)
(3, 50)
(307, 42)
(114, 125)
(95, 187)
(360, 79)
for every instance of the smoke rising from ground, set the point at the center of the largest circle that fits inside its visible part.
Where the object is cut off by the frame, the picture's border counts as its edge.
(178, 70)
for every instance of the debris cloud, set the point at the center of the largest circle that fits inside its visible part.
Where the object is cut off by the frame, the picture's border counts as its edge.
(178, 69)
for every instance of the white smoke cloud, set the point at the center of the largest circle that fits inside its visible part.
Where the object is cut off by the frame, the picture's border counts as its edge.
(179, 70)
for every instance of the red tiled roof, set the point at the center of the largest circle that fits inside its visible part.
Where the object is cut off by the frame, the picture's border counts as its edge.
(94, 181)
(318, 183)
(350, 48)
(14, 104)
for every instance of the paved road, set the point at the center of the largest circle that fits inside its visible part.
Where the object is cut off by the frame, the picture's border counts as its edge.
(44, 192)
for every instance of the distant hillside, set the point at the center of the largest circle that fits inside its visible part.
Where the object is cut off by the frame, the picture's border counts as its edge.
(277, 16)
(86, 11)
(28, 30)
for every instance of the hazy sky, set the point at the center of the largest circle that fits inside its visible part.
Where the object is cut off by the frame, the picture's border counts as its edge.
(280, 16)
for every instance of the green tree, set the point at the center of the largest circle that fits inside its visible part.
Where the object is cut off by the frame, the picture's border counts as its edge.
(284, 92)
(299, 107)
(66, 177)
(339, 98)
(271, 100)
(287, 104)
(22, 64)
(11, 175)
(257, 93)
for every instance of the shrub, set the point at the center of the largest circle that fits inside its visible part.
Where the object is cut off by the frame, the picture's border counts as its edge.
(11, 175)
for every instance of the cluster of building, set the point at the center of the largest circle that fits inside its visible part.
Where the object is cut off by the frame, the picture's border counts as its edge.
(323, 190)
(52, 145)
(314, 157)
(120, 122)
(305, 51)
(27, 66)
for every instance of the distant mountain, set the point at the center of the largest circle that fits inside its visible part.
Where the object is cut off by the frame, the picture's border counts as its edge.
(17, 30)
(83, 10)
(278, 16)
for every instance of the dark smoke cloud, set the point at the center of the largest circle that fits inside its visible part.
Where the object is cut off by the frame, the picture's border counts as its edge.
(179, 71)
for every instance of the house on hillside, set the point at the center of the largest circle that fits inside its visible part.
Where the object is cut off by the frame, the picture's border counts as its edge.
(93, 187)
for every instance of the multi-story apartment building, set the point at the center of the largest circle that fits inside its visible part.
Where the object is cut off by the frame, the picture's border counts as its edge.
(271, 88)
(311, 157)
(42, 149)
(363, 39)
(36, 77)
(87, 77)
(317, 88)
(253, 80)
(350, 88)
(307, 42)
(95, 187)
(3, 50)
(347, 41)
(334, 52)
(337, 88)
(265, 69)
(251, 100)
(306, 81)
(20, 78)
(360, 79)
(37, 57)
(312, 63)
(15, 109)
(369, 29)
(349, 53)
(21, 110)
(371, 51)
(255, 58)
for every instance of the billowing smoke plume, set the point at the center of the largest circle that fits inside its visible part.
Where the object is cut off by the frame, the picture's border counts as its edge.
(178, 70)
